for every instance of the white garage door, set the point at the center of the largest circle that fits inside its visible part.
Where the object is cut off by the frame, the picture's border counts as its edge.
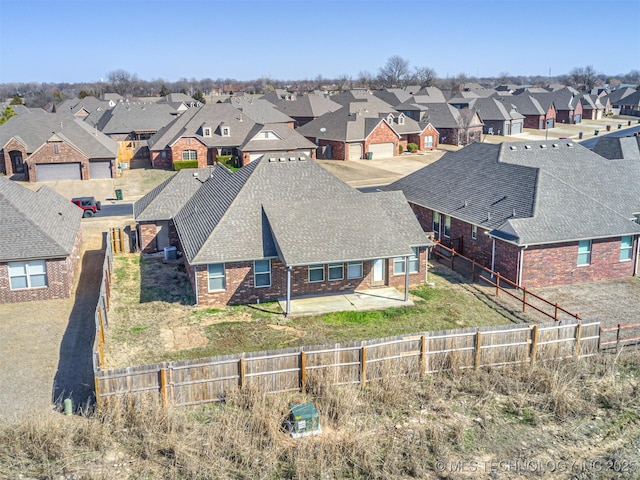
(255, 156)
(57, 171)
(382, 150)
(354, 151)
(517, 128)
(101, 169)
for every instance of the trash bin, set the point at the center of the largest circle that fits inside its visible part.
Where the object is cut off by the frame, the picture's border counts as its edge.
(629, 123)
(118, 194)
(579, 135)
(369, 155)
(608, 128)
(596, 132)
(619, 126)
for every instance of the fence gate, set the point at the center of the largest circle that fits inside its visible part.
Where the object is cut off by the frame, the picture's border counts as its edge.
(116, 237)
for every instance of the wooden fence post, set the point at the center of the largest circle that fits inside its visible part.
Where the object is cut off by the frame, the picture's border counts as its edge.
(423, 355)
(303, 372)
(497, 283)
(477, 359)
(101, 325)
(599, 337)
(363, 366)
(163, 387)
(473, 271)
(453, 254)
(101, 353)
(98, 397)
(524, 299)
(555, 314)
(241, 367)
(618, 339)
(578, 337)
(534, 344)
(121, 233)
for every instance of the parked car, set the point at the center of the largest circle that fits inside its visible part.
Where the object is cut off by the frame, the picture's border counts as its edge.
(89, 204)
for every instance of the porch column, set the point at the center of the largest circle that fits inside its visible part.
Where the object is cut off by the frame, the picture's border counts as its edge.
(406, 278)
(288, 309)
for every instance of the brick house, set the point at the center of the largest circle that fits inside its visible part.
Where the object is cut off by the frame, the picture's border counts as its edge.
(498, 117)
(221, 129)
(535, 115)
(539, 213)
(301, 108)
(284, 227)
(566, 101)
(40, 241)
(55, 147)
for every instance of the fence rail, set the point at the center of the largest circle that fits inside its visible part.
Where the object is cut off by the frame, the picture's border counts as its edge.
(480, 273)
(619, 336)
(192, 382)
(101, 316)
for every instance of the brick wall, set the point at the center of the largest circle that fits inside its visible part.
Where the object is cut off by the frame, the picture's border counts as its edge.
(158, 161)
(46, 154)
(418, 139)
(60, 276)
(383, 133)
(190, 143)
(148, 242)
(12, 145)
(533, 121)
(240, 282)
(557, 264)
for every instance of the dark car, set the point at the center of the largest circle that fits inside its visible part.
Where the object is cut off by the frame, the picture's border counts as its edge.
(89, 205)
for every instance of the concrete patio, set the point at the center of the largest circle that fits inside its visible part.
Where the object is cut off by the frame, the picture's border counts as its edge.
(361, 300)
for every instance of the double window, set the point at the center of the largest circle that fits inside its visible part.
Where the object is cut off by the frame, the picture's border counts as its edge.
(626, 248)
(584, 252)
(31, 274)
(262, 273)
(336, 271)
(216, 275)
(428, 141)
(189, 155)
(414, 263)
(316, 273)
(436, 222)
(354, 270)
(447, 226)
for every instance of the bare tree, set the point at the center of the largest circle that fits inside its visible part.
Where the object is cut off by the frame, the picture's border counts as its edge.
(365, 79)
(424, 76)
(503, 78)
(465, 121)
(344, 82)
(584, 77)
(395, 72)
(122, 82)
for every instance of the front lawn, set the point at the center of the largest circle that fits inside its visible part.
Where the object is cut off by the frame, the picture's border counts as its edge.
(152, 317)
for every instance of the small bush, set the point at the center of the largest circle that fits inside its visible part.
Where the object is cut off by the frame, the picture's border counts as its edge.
(180, 164)
(412, 147)
(400, 148)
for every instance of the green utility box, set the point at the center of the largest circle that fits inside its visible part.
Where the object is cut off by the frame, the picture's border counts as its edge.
(303, 420)
(369, 155)
(118, 194)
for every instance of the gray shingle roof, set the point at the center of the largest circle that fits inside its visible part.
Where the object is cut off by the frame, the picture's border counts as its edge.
(258, 110)
(303, 106)
(493, 109)
(129, 117)
(616, 148)
(35, 130)
(525, 104)
(296, 210)
(35, 225)
(534, 195)
(563, 99)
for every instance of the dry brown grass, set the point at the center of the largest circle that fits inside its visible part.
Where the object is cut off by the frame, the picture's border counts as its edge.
(404, 427)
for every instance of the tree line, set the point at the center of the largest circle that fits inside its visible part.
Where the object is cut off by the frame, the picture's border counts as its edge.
(396, 72)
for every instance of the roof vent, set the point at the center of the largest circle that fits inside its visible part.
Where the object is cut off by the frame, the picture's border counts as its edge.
(554, 145)
(570, 145)
(527, 147)
(488, 216)
(514, 213)
(282, 159)
(272, 159)
(513, 147)
(292, 159)
(466, 203)
(543, 146)
(195, 174)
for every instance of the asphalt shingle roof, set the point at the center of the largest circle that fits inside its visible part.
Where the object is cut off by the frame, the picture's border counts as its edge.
(35, 225)
(534, 193)
(616, 148)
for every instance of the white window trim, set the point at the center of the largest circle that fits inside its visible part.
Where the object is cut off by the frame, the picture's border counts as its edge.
(447, 220)
(589, 252)
(206, 132)
(335, 266)
(315, 267)
(398, 261)
(223, 276)
(350, 264)
(415, 258)
(28, 274)
(433, 223)
(226, 132)
(474, 232)
(627, 249)
(195, 154)
(256, 273)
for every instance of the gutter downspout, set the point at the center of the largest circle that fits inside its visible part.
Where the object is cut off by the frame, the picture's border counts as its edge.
(195, 282)
(288, 309)
(406, 278)
(493, 256)
(635, 268)
(520, 265)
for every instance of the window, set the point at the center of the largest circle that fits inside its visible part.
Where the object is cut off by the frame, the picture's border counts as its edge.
(447, 226)
(207, 132)
(188, 141)
(56, 148)
(316, 273)
(428, 141)
(626, 248)
(414, 261)
(584, 252)
(398, 265)
(474, 232)
(354, 270)
(262, 273)
(189, 155)
(400, 120)
(226, 132)
(163, 154)
(217, 280)
(336, 271)
(436, 222)
(27, 274)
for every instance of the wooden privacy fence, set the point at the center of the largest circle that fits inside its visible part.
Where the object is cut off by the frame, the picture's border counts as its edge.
(193, 382)
(619, 336)
(101, 314)
(479, 273)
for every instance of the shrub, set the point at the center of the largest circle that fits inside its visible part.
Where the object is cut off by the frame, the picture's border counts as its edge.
(180, 164)
(412, 147)
(400, 148)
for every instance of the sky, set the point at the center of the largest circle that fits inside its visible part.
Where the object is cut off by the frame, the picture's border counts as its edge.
(82, 41)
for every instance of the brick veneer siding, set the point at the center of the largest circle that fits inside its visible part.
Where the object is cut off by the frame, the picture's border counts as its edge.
(383, 133)
(147, 233)
(548, 265)
(10, 146)
(60, 276)
(66, 154)
(240, 282)
(190, 143)
(158, 161)
(338, 149)
(455, 136)
(533, 121)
